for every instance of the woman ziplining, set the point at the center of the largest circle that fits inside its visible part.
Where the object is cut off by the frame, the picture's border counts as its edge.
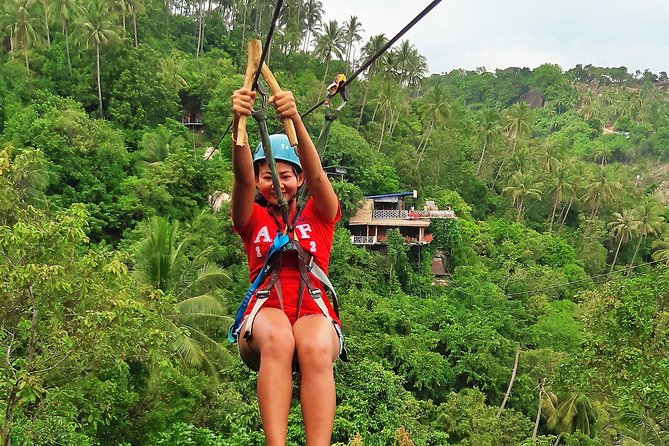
(285, 319)
(282, 324)
(285, 210)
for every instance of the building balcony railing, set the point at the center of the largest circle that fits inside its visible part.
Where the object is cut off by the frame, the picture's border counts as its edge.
(390, 214)
(446, 213)
(412, 215)
(363, 239)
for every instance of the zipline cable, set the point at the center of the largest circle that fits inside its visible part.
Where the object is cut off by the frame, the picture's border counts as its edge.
(378, 54)
(629, 268)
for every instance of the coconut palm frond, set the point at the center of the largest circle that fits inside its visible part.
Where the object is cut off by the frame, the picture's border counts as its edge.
(211, 345)
(219, 317)
(204, 303)
(188, 349)
(641, 430)
(210, 275)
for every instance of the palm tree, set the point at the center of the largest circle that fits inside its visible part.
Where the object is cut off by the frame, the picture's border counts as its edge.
(7, 24)
(374, 44)
(650, 222)
(45, 6)
(352, 30)
(521, 187)
(519, 120)
(122, 6)
(661, 247)
(562, 186)
(489, 129)
(66, 11)
(521, 160)
(96, 28)
(161, 262)
(155, 147)
(409, 65)
(385, 102)
(436, 105)
(575, 413)
(244, 15)
(642, 429)
(601, 190)
(572, 192)
(313, 16)
(519, 123)
(200, 28)
(601, 153)
(291, 26)
(329, 44)
(29, 176)
(19, 21)
(622, 228)
(549, 156)
(415, 69)
(137, 7)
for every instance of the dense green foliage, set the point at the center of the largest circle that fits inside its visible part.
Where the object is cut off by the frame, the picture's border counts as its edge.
(119, 280)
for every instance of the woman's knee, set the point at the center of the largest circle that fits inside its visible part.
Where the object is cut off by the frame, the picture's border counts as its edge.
(272, 334)
(316, 344)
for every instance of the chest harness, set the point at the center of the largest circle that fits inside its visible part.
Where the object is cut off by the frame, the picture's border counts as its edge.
(285, 240)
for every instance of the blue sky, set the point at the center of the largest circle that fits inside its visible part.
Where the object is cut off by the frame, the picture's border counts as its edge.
(526, 33)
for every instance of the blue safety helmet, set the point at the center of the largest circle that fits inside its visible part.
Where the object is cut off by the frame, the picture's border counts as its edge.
(281, 149)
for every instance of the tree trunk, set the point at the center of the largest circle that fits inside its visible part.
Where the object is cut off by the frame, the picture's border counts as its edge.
(393, 124)
(636, 250)
(383, 127)
(325, 76)
(424, 144)
(25, 56)
(478, 169)
(67, 47)
(256, 25)
(199, 29)
(134, 24)
(542, 384)
(12, 399)
(513, 378)
(564, 219)
(555, 203)
(376, 109)
(306, 40)
(167, 19)
(46, 23)
(97, 72)
(615, 257)
(364, 101)
(244, 23)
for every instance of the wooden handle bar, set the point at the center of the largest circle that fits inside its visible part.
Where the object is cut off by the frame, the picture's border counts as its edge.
(275, 88)
(255, 51)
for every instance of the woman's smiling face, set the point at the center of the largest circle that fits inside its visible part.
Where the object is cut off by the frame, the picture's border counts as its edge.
(288, 179)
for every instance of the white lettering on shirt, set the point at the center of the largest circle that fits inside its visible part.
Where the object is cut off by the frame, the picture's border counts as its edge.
(304, 229)
(263, 235)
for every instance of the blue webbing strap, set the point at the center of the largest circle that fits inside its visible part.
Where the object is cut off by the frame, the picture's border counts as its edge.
(278, 244)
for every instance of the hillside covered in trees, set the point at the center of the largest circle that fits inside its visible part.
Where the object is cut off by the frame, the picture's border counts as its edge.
(119, 280)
